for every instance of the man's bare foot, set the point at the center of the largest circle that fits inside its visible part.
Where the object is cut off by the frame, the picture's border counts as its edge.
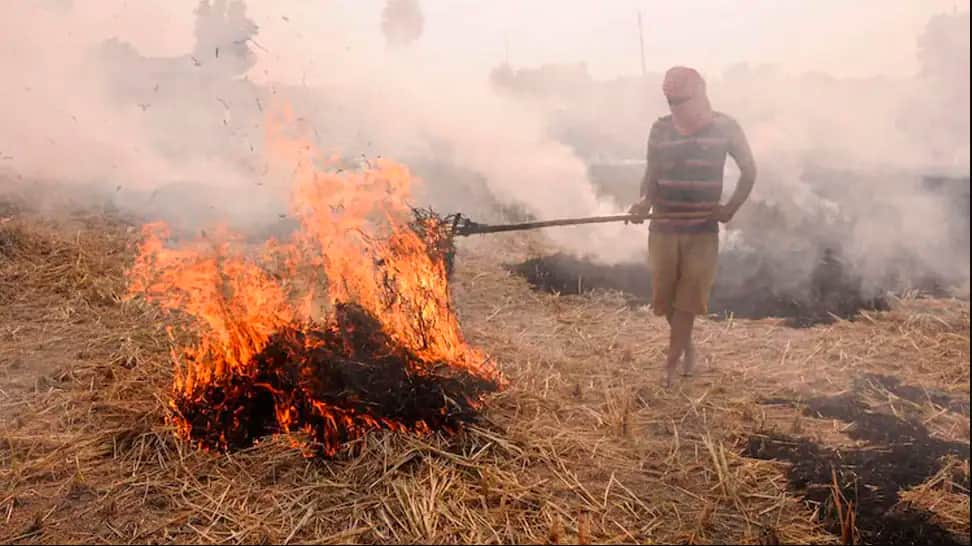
(688, 360)
(670, 368)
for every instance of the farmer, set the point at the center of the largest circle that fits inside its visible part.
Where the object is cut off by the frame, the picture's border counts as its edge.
(686, 158)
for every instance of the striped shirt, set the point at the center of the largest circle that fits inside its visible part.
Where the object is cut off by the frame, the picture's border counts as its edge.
(688, 170)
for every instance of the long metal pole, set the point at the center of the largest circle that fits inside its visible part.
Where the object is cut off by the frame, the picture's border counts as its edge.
(472, 228)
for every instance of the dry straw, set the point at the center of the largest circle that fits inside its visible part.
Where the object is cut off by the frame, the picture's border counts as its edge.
(584, 447)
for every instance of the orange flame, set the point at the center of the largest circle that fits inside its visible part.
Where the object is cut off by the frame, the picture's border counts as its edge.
(354, 244)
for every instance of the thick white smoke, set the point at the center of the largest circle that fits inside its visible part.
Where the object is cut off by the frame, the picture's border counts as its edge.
(181, 132)
(74, 115)
(176, 132)
(841, 160)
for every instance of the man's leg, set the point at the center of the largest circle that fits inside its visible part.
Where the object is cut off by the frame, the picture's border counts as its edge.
(688, 357)
(700, 255)
(664, 256)
(688, 360)
(680, 343)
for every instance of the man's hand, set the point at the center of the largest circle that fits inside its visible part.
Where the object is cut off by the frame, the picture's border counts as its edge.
(722, 213)
(641, 208)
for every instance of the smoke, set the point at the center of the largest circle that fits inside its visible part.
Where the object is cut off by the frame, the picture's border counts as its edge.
(88, 114)
(843, 161)
(57, 121)
(177, 131)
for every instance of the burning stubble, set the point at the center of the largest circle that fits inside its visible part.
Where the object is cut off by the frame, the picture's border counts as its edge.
(344, 327)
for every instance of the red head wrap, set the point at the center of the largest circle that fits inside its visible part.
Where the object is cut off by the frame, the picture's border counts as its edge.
(685, 90)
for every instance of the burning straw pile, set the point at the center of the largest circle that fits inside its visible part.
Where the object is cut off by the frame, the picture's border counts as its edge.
(346, 327)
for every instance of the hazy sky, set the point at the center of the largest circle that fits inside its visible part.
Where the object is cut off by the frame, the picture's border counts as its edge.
(862, 37)
(421, 103)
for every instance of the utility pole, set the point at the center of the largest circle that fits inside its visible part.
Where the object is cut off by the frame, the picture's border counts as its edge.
(641, 40)
(506, 46)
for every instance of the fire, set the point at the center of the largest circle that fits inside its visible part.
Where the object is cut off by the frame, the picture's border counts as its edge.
(345, 327)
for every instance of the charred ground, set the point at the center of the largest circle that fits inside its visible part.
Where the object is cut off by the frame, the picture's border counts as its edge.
(896, 452)
(830, 293)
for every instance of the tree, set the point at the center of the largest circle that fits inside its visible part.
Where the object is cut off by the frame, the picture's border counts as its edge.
(937, 115)
(223, 33)
(402, 22)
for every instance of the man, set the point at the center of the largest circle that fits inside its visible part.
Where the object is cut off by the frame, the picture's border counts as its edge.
(682, 189)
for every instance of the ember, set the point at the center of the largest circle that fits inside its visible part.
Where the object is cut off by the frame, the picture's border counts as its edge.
(345, 327)
(333, 383)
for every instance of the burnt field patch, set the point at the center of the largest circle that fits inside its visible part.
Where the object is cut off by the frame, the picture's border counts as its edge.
(896, 453)
(829, 293)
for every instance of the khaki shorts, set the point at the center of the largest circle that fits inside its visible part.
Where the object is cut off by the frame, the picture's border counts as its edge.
(683, 268)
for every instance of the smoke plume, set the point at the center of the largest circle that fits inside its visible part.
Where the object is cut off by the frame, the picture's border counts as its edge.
(178, 132)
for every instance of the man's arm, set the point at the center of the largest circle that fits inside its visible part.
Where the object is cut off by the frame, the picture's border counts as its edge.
(649, 182)
(743, 156)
